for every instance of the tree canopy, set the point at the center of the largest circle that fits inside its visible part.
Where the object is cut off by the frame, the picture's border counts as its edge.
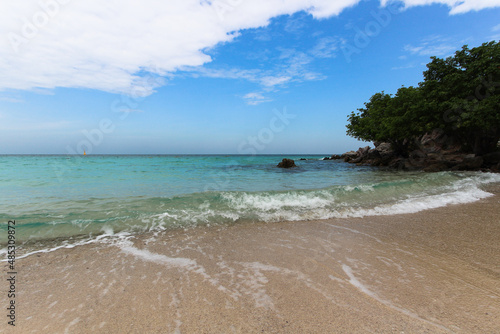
(459, 94)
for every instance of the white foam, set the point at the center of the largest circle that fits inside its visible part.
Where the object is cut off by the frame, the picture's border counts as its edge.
(413, 205)
(67, 245)
(146, 255)
(171, 262)
(299, 276)
(310, 205)
(364, 289)
(271, 202)
(293, 206)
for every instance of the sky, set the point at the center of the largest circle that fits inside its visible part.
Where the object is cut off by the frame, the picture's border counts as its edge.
(214, 77)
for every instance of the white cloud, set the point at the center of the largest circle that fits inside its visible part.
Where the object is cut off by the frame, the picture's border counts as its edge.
(255, 98)
(456, 6)
(271, 81)
(113, 45)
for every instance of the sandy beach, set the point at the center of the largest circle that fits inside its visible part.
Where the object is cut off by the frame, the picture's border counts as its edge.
(437, 271)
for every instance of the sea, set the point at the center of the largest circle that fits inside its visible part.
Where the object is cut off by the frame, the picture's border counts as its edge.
(62, 201)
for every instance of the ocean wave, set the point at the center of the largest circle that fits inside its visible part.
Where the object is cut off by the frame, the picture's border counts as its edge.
(406, 195)
(397, 194)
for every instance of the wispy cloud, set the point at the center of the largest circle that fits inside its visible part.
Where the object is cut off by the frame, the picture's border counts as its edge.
(295, 24)
(256, 98)
(117, 46)
(112, 47)
(456, 6)
(11, 99)
(283, 67)
(496, 33)
(433, 46)
(271, 81)
(404, 67)
(327, 47)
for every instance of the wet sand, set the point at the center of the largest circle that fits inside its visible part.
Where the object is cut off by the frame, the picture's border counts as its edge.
(437, 271)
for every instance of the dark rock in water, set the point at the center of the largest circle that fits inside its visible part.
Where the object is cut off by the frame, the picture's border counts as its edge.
(470, 163)
(336, 157)
(356, 160)
(436, 167)
(434, 151)
(373, 154)
(492, 158)
(348, 156)
(287, 163)
(363, 151)
(326, 158)
(398, 163)
(302, 159)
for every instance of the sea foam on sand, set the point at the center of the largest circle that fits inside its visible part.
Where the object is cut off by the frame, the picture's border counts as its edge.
(434, 271)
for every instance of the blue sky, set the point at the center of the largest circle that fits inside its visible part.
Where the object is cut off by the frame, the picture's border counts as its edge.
(214, 77)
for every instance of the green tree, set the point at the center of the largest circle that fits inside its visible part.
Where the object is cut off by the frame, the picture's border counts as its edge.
(388, 118)
(460, 94)
(463, 94)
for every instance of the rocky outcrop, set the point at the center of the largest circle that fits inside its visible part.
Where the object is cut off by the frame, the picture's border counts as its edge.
(433, 152)
(333, 157)
(287, 163)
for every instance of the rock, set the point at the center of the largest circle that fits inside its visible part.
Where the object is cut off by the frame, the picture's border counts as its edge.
(470, 163)
(348, 156)
(398, 163)
(417, 158)
(336, 157)
(455, 159)
(326, 158)
(433, 151)
(385, 149)
(437, 167)
(363, 151)
(303, 159)
(373, 154)
(492, 158)
(287, 163)
(437, 141)
(356, 160)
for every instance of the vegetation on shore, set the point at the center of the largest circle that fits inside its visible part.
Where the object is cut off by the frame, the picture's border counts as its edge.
(460, 96)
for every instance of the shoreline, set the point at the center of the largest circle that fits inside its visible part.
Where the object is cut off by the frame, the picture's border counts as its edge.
(37, 244)
(432, 271)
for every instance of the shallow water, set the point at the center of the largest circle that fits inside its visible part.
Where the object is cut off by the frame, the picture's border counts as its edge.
(67, 196)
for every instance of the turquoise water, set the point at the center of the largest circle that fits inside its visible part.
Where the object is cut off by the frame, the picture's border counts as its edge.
(68, 196)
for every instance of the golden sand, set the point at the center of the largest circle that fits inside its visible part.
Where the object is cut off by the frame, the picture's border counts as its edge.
(437, 271)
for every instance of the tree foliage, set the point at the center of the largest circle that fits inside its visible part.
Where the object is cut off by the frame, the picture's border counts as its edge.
(459, 94)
